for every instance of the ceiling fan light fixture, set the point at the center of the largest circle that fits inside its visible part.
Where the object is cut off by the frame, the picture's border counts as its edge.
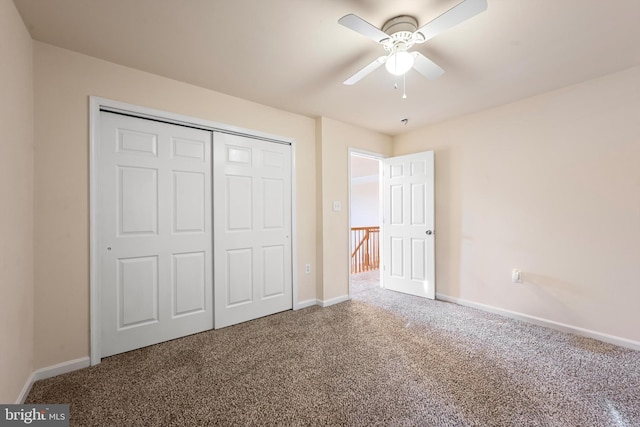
(401, 33)
(399, 63)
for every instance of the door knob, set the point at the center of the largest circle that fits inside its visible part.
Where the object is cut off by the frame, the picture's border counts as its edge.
(429, 232)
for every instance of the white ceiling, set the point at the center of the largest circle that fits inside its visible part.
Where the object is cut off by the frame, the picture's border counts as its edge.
(293, 54)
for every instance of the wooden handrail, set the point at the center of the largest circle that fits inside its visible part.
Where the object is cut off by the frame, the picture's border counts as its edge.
(366, 252)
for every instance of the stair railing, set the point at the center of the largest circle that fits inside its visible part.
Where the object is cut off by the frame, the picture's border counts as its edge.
(365, 242)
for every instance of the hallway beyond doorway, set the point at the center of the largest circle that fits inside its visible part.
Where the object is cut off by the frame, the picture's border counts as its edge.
(363, 282)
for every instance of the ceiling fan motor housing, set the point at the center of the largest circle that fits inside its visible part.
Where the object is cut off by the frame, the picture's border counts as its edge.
(402, 33)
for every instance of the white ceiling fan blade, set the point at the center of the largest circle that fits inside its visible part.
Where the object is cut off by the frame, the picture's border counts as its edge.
(361, 26)
(365, 71)
(426, 67)
(454, 16)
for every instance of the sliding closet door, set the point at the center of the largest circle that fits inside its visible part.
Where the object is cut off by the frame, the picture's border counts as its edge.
(252, 228)
(155, 232)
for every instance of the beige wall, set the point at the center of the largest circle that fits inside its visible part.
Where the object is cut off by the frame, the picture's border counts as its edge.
(63, 82)
(16, 208)
(334, 140)
(550, 185)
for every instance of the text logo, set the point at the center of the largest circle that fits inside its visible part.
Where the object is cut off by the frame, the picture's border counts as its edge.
(34, 415)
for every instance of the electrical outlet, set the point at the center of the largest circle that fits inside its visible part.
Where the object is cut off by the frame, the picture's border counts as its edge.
(307, 268)
(516, 276)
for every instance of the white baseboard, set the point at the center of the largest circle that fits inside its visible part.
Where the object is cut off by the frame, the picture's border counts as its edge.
(25, 390)
(304, 304)
(321, 303)
(333, 301)
(611, 339)
(52, 371)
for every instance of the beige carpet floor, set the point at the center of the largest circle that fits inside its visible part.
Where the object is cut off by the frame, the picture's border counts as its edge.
(383, 358)
(363, 282)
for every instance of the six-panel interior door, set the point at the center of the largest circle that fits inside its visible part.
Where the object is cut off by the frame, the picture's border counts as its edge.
(408, 224)
(155, 232)
(252, 228)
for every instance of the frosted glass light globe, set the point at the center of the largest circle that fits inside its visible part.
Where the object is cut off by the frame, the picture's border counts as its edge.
(399, 63)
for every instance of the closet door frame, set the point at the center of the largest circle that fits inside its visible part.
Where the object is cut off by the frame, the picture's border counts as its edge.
(97, 104)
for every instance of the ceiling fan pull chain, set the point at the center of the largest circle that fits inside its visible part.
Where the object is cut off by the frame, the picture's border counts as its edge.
(404, 84)
(395, 57)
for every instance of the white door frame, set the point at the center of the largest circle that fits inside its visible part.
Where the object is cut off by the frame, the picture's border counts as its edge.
(376, 156)
(96, 104)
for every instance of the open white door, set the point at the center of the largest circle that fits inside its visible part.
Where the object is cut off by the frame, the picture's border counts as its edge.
(155, 232)
(408, 224)
(252, 227)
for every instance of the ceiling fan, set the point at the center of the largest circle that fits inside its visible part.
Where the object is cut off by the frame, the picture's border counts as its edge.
(401, 33)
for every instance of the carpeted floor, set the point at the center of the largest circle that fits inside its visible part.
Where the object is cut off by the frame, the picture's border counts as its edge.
(383, 358)
(363, 282)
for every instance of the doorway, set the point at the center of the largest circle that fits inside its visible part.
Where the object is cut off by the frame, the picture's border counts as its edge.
(392, 218)
(365, 213)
